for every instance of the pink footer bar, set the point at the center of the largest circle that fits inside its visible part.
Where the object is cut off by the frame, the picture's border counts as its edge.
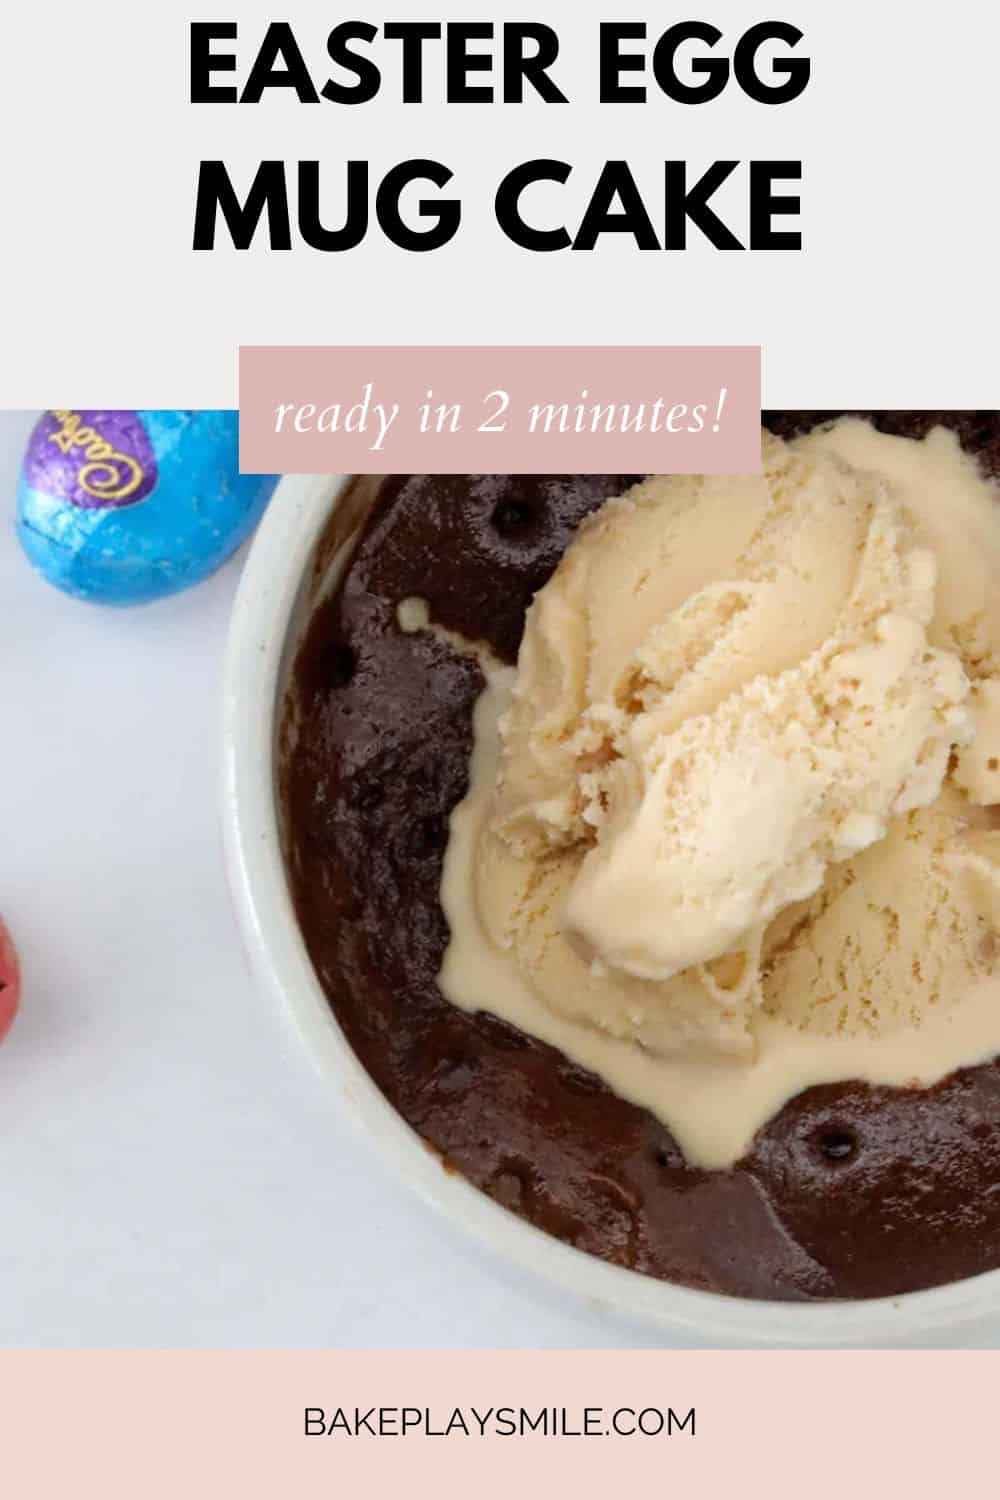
(497, 1424)
(511, 409)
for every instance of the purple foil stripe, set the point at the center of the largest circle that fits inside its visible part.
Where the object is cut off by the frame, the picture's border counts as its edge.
(94, 459)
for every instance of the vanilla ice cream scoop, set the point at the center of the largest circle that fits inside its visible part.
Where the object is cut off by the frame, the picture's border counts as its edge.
(728, 779)
(743, 723)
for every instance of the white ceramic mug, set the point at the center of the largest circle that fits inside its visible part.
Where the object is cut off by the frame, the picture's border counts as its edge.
(292, 561)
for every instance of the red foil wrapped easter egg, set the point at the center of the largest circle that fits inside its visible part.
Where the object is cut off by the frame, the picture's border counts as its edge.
(10, 981)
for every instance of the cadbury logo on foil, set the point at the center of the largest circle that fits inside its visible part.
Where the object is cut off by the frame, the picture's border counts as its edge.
(93, 459)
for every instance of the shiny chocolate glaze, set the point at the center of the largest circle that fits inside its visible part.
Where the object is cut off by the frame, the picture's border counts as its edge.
(850, 1191)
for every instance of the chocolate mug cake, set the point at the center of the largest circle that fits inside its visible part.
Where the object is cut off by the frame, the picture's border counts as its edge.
(576, 1111)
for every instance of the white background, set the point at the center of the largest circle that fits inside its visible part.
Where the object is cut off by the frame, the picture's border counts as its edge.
(892, 302)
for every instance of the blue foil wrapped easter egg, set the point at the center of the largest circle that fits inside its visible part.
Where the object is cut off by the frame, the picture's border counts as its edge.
(121, 507)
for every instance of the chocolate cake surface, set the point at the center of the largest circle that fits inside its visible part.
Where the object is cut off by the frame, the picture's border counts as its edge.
(850, 1191)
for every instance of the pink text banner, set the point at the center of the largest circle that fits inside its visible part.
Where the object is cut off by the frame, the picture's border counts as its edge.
(504, 409)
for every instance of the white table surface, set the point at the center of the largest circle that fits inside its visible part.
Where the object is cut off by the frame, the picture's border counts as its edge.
(172, 1170)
